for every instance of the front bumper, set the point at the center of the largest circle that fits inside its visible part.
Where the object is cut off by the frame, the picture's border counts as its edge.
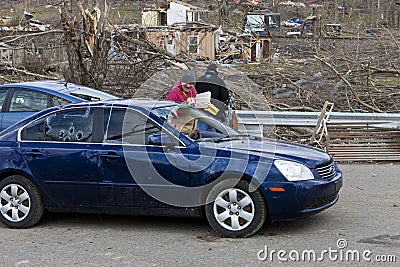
(301, 198)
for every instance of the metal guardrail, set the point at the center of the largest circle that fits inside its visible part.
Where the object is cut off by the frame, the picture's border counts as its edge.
(271, 118)
(253, 121)
(352, 136)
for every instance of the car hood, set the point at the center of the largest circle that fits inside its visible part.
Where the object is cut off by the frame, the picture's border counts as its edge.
(276, 149)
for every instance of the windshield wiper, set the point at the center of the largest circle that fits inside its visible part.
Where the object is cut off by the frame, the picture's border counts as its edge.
(86, 97)
(223, 138)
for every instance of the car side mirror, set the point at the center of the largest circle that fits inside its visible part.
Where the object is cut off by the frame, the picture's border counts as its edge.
(162, 140)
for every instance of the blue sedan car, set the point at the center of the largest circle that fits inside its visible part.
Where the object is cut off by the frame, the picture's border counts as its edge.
(20, 100)
(147, 157)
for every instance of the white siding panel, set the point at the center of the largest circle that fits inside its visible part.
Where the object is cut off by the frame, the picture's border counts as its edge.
(176, 13)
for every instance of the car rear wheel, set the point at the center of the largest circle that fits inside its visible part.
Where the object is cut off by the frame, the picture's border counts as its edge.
(234, 211)
(20, 203)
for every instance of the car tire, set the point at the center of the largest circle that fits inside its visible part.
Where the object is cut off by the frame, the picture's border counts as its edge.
(21, 205)
(234, 210)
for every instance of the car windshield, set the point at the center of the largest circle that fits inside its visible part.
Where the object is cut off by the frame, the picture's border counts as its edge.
(187, 119)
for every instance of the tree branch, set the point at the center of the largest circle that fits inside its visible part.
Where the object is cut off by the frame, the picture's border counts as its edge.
(353, 91)
(31, 73)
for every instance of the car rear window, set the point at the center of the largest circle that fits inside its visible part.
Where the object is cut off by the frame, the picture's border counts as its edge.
(92, 95)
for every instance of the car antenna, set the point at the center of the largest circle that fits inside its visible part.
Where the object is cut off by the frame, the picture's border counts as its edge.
(66, 86)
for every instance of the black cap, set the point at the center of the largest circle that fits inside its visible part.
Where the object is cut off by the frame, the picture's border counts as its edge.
(212, 67)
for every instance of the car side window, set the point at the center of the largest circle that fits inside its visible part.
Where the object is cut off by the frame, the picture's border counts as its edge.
(130, 127)
(28, 100)
(3, 94)
(58, 101)
(66, 126)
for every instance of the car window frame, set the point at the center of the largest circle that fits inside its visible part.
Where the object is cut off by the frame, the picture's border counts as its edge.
(52, 97)
(11, 94)
(4, 104)
(149, 118)
(7, 100)
(98, 130)
(96, 127)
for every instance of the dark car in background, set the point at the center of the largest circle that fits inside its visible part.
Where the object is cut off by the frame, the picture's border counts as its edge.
(141, 157)
(19, 100)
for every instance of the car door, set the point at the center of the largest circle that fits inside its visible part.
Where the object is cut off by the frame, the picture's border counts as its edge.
(61, 154)
(133, 170)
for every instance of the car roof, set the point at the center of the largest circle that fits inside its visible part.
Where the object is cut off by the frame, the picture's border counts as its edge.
(145, 103)
(63, 88)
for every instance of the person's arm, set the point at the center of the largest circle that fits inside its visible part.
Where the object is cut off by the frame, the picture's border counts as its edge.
(224, 93)
(172, 96)
(223, 90)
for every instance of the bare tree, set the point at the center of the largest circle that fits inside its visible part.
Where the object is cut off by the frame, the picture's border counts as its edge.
(88, 38)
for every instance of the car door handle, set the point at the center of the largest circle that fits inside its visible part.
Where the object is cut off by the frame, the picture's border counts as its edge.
(33, 153)
(110, 155)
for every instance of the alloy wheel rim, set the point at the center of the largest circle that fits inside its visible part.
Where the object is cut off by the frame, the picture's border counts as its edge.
(15, 202)
(234, 209)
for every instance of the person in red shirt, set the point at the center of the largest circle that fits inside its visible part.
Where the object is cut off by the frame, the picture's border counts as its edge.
(184, 90)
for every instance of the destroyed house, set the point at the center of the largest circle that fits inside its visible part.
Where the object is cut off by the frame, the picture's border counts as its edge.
(176, 12)
(192, 40)
(259, 22)
(257, 25)
(154, 17)
(178, 28)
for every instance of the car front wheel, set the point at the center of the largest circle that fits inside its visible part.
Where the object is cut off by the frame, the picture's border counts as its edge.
(235, 211)
(20, 203)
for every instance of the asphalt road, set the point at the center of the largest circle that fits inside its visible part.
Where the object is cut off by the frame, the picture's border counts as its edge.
(365, 222)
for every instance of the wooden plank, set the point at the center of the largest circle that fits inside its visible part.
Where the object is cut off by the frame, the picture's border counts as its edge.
(337, 159)
(374, 158)
(365, 153)
(362, 130)
(366, 140)
(386, 145)
(352, 155)
(363, 142)
(364, 133)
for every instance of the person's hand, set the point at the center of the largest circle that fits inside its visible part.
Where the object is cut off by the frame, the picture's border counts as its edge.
(195, 134)
(191, 101)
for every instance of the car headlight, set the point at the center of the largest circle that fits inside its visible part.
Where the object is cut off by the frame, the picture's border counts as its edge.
(293, 171)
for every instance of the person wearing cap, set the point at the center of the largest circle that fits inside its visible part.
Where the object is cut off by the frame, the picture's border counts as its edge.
(211, 82)
(184, 90)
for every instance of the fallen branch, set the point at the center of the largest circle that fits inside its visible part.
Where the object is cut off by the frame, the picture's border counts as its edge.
(27, 35)
(31, 73)
(295, 108)
(147, 44)
(5, 79)
(389, 71)
(353, 91)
